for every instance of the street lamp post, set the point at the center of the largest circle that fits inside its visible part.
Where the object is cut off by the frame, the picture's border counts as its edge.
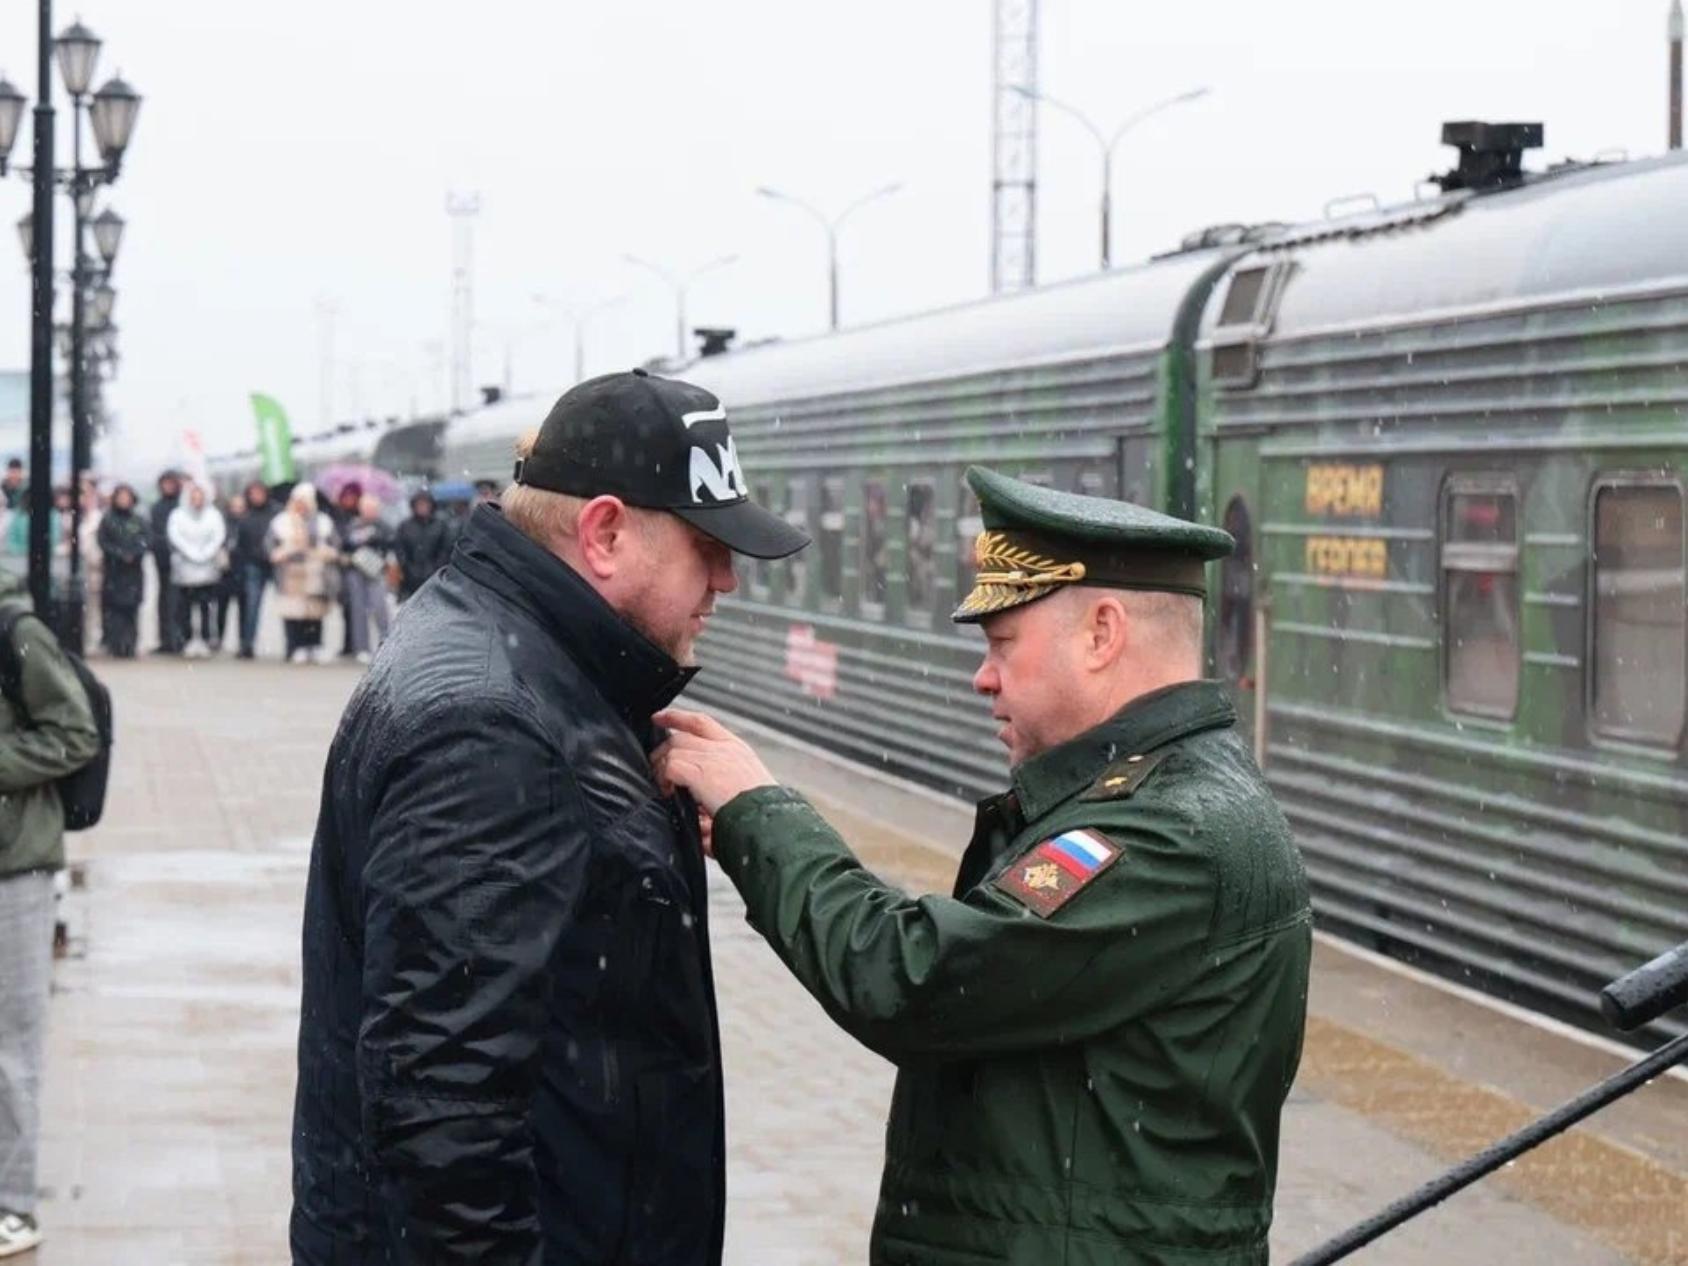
(111, 113)
(1107, 145)
(680, 285)
(832, 227)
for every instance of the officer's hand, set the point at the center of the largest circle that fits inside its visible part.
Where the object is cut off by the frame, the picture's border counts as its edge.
(707, 759)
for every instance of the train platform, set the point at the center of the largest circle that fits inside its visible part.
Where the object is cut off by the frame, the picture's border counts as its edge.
(170, 1063)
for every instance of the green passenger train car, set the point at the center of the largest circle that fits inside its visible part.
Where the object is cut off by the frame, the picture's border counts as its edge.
(1449, 438)
(1453, 442)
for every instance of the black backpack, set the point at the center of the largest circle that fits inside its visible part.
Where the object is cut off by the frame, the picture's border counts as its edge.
(83, 791)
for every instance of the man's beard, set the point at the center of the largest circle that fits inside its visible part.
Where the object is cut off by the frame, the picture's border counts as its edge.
(681, 647)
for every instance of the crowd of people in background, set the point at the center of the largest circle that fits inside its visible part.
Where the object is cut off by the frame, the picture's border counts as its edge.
(212, 555)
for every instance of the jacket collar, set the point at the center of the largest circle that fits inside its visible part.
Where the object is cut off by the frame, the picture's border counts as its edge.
(1147, 722)
(627, 668)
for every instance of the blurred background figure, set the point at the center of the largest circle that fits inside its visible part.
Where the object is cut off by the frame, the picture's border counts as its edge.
(365, 550)
(250, 562)
(171, 633)
(12, 484)
(304, 553)
(123, 539)
(228, 585)
(343, 512)
(423, 544)
(93, 510)
(197, 536)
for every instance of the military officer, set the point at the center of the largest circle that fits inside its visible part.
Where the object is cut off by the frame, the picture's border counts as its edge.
(1095, 1034)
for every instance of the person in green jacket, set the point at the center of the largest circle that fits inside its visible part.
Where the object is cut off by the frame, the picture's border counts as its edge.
(46, 732)
(1095, 1034)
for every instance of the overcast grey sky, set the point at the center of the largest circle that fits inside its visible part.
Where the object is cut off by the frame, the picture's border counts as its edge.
(294, 154)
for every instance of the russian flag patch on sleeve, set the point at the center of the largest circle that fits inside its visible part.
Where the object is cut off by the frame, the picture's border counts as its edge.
(1053, 873)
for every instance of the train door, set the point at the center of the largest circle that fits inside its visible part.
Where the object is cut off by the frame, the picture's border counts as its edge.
(1239, 615)
(1231, 488)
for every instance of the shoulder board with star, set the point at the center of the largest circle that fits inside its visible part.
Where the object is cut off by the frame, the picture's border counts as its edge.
(1121, 779)
(1057, 869)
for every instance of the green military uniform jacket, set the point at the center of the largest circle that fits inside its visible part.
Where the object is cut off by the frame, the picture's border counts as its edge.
(1091, 1064)
(57, 738)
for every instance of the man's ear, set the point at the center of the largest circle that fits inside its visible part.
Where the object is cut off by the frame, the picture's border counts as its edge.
(1107, 630)
(602, 532)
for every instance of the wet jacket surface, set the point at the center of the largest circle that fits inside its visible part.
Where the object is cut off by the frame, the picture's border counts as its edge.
(1098, 1084)
(508, 1049)
(51, 735)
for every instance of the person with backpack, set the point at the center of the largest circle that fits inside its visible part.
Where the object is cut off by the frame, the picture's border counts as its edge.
(48, 731)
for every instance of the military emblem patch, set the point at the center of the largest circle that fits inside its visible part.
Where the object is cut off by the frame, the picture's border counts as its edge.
(1054, 872)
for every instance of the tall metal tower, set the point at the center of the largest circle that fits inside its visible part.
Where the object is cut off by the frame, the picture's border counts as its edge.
(1674, 36)
(1014, 147)
(462, 208)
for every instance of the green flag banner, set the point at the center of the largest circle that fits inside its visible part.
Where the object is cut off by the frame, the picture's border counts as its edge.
(275, 440)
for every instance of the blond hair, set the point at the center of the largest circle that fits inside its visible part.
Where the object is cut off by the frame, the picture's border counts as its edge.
(539, 514)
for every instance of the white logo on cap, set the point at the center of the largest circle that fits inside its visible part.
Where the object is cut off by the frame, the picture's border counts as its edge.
(717, 414)
(724, 478)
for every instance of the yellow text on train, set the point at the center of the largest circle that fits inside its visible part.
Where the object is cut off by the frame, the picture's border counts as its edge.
(1348, 492)
(1365, 557)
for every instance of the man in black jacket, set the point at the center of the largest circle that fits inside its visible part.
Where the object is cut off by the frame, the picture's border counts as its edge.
(172, 611)
(249, 560)
(422, 545)
(508, 1050)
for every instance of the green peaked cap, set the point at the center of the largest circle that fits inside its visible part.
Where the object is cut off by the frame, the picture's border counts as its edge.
(1037, 540)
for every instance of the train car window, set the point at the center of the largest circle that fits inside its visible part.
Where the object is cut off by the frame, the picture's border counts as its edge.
(795, 569)
(920, 526)
(1234, 647)
(1242, 298)
(1481, 647)
(1093, 480)
(762, 569)
(1245, 315)
(876, 546)
(831, 540)
(1640, 640)
(968, 525)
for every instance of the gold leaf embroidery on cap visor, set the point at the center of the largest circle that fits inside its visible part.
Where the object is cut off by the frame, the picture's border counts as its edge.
(1009, 574)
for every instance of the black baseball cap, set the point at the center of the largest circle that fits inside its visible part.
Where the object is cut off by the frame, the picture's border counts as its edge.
(661, 444)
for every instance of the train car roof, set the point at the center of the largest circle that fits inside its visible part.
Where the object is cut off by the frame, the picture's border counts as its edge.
(1105, 313)
(1593, 232)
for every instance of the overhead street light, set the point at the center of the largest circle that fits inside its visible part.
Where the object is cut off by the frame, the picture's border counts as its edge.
(680, 285)
(12, 103)
(78, 49)
(832, 227)
(113, 113)
(1107, 144)
(108, 235)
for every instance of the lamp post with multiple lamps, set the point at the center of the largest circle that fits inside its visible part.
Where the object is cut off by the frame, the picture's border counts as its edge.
(111, 112)
(679, 285)
(832, 226)
(1107, 144)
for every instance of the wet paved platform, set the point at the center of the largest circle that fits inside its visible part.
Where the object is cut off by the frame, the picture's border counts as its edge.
(170, 1074)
